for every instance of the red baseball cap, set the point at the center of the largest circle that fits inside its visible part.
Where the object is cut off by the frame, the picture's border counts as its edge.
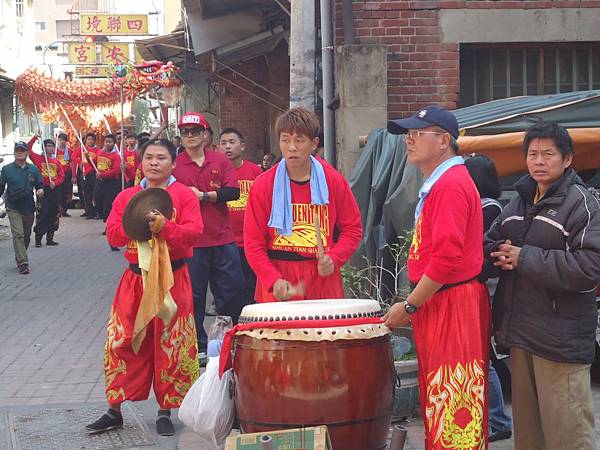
(193, 119)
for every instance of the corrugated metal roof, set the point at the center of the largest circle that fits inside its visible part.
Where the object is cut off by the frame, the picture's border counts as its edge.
(510, 108)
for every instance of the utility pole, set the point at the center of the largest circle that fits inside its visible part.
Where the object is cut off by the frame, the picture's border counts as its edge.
(302, 54)
(327, 64)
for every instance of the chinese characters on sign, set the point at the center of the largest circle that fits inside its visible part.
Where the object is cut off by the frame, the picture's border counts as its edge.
(115, 53)
(82, 53)
(91, 71)
(113, 24)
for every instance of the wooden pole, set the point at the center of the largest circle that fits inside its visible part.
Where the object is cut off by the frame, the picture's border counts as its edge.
(37, 119)
(78, 138)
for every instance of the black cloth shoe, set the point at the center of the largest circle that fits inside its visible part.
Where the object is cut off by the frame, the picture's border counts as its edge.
(114, 249)
(38, 242)
(83, 215)
(50, 239)
(23, 269)
(499, 435)
(164, 426)
(109, 421)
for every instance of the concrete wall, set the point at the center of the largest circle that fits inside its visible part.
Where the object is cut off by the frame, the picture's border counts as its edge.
(525, 25)
(172, 14)
(361, 83)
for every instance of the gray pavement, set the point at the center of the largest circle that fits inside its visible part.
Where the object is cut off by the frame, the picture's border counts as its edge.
(52, 330)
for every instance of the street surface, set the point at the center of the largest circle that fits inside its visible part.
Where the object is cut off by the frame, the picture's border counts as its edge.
(52, 330)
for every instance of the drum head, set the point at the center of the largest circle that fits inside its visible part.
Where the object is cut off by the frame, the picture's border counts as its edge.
(311, 310)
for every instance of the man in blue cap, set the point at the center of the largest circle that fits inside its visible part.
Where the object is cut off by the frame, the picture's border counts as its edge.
(448, 305)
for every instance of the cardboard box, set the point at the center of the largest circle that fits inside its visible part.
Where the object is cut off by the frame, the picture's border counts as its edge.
(313, 438)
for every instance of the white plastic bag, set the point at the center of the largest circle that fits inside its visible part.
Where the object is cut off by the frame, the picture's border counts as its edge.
(208, 408)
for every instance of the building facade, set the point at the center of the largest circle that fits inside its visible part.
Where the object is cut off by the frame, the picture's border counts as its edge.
(16, 54)
(458, 52)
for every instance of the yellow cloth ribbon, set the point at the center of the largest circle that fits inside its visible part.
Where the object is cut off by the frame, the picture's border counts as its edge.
(157, 279)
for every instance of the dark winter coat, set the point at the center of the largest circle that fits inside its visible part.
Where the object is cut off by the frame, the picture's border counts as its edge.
(547, 305)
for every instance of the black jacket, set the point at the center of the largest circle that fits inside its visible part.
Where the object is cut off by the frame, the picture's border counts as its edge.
(547, 304)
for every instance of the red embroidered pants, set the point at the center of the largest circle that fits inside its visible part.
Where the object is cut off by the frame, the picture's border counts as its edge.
(167, 358)
(452, 337)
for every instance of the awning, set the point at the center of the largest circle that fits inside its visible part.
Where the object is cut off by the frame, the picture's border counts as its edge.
(571, 109)
(251, 47)
(169, 47)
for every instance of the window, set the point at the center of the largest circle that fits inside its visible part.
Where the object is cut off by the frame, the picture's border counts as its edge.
(40, 26)
(20, 7)
(496, 71)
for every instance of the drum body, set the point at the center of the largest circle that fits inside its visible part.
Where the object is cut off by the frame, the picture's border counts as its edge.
(343, 379)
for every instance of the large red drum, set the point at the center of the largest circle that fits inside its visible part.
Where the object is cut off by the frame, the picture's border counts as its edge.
(342, 377)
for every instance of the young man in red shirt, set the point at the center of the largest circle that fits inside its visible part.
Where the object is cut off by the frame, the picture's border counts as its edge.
(108, 180)
(64, 155)
(47, 218)
(231, 142)
(213, 180)
(288, 206)
(164, 354)
(86, 162)
(449, 306)
(131, 158)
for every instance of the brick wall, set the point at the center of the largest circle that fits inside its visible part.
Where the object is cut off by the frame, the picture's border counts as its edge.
(242, 110)
(422, 69)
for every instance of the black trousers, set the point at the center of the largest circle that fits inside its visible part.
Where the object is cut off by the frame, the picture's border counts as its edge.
(66, 191)
(89, 185)
(48, 216)
(108, 191)
(219, 266)
(249, 279)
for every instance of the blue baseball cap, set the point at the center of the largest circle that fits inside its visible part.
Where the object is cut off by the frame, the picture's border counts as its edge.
(20, 145)
(426, 117)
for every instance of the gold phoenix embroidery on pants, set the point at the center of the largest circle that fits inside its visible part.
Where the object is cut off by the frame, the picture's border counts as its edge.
(180, 345)
(113, 365)
(454, 405)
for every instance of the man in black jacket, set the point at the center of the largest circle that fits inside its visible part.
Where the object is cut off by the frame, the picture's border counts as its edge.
(546, 242)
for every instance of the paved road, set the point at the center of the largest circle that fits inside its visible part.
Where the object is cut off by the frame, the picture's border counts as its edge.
(52, 329)
(52, 324)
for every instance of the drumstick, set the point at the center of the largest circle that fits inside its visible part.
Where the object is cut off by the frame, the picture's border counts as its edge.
(320, 251)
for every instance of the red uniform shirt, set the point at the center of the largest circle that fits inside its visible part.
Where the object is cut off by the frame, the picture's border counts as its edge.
(181, 233)
(109, 164)
(91, 154)
(52, 166)
(246, 174)
(341, 214)
(60, 156)
(215, 173)
(447, 243)
(131, 164)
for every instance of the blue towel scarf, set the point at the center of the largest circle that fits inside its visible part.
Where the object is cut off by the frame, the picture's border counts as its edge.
(281, 209)
(432, 179)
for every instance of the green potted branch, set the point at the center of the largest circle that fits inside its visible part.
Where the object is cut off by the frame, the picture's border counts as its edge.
(386, 282)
